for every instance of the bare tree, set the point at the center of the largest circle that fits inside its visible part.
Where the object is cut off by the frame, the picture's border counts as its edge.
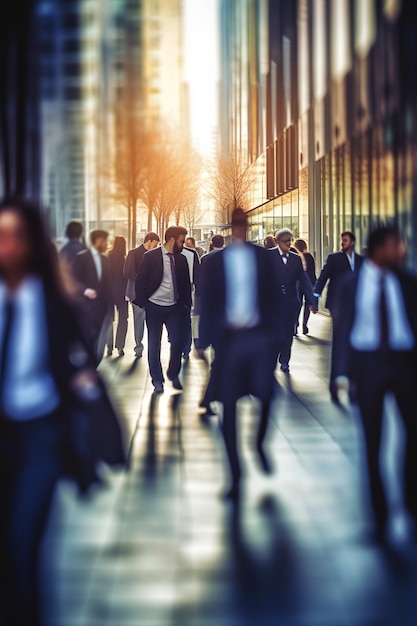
(230, 180)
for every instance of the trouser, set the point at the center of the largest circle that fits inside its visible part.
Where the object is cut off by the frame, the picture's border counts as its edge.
(139, 328)
(287, 336)
(244, 365)
(121, 330)
(174, 318)
(30, 465)
(375, 375)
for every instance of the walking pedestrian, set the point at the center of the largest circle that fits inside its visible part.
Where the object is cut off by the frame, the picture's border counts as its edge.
(118, 284)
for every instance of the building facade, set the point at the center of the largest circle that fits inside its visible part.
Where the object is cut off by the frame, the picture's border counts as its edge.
(329, 120)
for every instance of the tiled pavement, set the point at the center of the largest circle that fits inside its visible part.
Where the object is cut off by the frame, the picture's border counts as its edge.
(159, 547)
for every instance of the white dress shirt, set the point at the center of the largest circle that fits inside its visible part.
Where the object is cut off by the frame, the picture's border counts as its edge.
(284, 255)
(97, 261)
(164, 295)
(30, 391)
(351, 259)
(366, 329)
(241, 286)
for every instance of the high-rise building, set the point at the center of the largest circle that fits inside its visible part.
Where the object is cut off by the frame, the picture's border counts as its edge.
(102, 61)
(320, 97)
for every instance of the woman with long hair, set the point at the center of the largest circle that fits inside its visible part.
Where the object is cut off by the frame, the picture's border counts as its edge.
(117, 257)
(48, 387)
(309, 265)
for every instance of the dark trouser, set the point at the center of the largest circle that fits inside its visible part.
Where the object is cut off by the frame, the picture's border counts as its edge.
(287, 335)
(375, 375)
(306, 313)
(121, 331)
(244, 365)
(174, 318)
(30, 465)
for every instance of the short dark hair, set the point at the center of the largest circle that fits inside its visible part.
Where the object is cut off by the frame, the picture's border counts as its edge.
(239, 217)
(348, 233)
(97, 233)
(379, 236)
(151, 237)
(174, 231)
(74, 230)
(217, 241)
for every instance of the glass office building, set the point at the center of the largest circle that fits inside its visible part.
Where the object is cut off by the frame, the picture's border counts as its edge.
(321, 96)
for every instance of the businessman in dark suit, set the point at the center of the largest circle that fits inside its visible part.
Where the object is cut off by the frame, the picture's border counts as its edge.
(292, 278)
(339, 264)
(193, 260)
(163, 289)
(376, 353)
(130, 271)
(93, 292)
(238, 319)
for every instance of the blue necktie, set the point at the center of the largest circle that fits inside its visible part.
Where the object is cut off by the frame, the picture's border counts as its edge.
(174, 276)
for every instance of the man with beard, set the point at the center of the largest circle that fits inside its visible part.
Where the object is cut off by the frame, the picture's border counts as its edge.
(163, 289)
(93, 292)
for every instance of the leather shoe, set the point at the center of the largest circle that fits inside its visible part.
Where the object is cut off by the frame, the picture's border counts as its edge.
(158, 388)
(285, 368)
(176, 384)
(305, 330)
(121, 352)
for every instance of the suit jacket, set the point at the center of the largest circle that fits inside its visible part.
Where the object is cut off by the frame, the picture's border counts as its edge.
(150, 276)
(336, 266)
(118, 282)
(85, 275)
(69, 251)
(212, 290)
(194, 263)
(131, 268)
(291, 279)
(345, 298)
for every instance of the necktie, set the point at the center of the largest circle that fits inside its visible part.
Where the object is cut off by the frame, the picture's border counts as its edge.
(383, 317)
(4, 356)
(174, 275)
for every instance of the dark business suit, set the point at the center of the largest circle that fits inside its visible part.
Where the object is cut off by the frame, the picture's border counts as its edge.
(118, 284)
(373, 374)
(310, 269)
(194, 274)
(291, 278)
(245, 360)
(174, 317)
(130, 271)
(336, 268)
(93, 313)
(36, 453)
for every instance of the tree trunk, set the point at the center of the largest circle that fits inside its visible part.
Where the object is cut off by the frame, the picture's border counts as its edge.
(129, 222)
(149, 219)
(134, 223)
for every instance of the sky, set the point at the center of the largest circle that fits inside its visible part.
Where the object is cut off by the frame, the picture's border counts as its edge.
(201, 68)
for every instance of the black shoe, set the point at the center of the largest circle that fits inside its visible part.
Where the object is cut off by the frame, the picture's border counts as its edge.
(233, 493)
(158, 387)
(305, 330)
(176, 384)
(138, 355)
(264, 461)
(285, 368)
(109, 352)
(121, 352)
(186, 357)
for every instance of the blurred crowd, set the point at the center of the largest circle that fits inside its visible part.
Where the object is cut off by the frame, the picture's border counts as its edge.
(237, 306)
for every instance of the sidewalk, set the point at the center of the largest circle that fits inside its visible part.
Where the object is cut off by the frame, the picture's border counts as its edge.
(159, 547)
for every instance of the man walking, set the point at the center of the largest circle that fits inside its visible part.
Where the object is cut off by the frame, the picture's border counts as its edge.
(239, 319)
(93, 292)
(130, 271)
(337, 265)
(376, 350)
(292, 278)
(163, 289)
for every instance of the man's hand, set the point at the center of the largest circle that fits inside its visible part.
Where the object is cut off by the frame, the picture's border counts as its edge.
(91, 294)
